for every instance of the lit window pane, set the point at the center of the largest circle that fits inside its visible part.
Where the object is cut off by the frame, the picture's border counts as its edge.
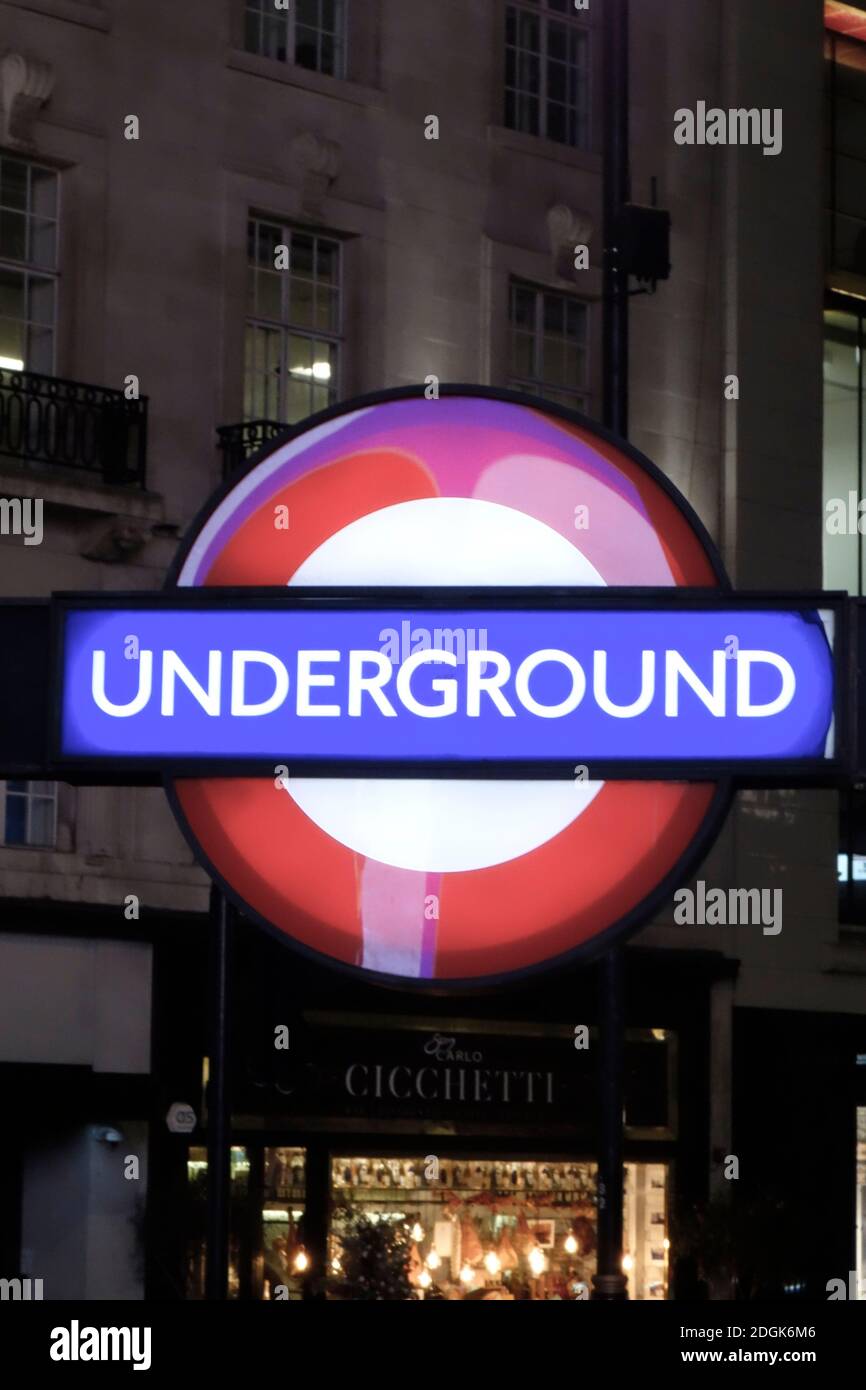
(12, 345)
(301, 357)
(321, 398)
(303, 365)
(269, 291)
(298, 401)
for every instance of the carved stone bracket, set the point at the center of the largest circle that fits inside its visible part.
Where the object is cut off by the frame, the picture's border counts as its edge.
(567, 230)
(318, 161)
(25, 86)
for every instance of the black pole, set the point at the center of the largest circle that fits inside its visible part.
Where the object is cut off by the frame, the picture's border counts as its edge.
(219, 1104)
(610, 1282)
(616, 193)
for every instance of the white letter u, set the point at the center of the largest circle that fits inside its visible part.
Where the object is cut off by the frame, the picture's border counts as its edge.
(145, 686)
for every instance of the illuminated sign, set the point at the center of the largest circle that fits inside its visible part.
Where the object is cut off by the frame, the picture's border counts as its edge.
(298, 684)
(446, 691)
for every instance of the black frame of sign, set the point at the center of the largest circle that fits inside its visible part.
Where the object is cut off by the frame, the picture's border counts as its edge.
(414, 602)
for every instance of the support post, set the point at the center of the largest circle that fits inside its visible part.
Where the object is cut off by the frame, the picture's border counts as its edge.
(610, 1283)
(222, 916)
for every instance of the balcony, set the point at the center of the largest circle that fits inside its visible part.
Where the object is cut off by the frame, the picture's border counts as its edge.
(90, 431)
(239, 442)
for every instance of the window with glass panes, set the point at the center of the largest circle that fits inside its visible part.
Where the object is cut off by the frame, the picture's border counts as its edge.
(29, 813)
(309, 33)
(28, 265)
(547, 71)
(292, 336)
(548, 344)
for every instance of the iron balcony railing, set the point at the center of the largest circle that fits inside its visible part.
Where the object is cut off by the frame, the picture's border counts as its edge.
(91, 430)
(240, 442)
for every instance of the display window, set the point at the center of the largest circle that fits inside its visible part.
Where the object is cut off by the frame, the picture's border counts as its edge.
(196, 1244)
(285, 1261)
(503, 1229)
(267, 1256)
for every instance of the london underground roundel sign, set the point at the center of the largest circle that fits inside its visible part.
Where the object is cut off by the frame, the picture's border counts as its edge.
(438, 879)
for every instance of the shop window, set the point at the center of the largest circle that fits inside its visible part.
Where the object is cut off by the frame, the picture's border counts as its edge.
(308, 33)
(549, 344)
(547, 71)
(284, 1257)
(293, 323)
(29, 813)
(267, 1255)
(196, 1226)
(28, 265)
(502, 1229)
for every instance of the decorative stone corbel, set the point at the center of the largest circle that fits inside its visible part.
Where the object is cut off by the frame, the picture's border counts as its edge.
(318, 161)
(25, 86)
(567, 230)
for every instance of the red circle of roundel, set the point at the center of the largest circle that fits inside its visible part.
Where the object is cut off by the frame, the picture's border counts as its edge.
(394, 459)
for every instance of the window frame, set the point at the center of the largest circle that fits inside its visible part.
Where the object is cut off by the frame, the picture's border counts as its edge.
(578, 22)
(31, 270)
(536, 385)
(339, 35)
(29, 797)
(284, 325)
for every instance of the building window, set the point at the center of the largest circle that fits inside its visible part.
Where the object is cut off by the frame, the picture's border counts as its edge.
(549, 334)
(293, 325)
(28, 265)
(29, 813)
(309, 33)
(547, 71)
